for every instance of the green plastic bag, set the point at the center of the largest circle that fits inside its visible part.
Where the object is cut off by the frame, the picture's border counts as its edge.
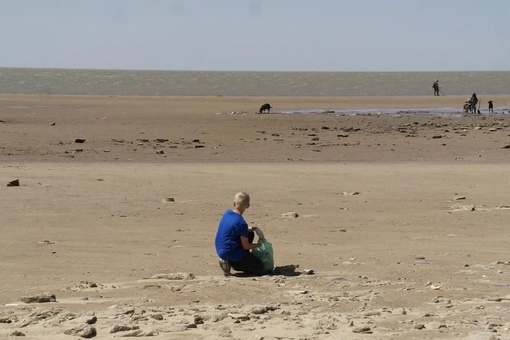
(265, 254)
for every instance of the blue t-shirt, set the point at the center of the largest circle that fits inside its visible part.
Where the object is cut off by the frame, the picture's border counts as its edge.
(228, 237)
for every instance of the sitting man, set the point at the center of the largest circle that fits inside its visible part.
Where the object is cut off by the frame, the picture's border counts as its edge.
(234, 240)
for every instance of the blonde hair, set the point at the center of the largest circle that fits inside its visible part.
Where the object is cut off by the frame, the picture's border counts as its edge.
(241, 199)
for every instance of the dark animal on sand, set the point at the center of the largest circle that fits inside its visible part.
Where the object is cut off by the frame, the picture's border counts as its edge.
(265, 107)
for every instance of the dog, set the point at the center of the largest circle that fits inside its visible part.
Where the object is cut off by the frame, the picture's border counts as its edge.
(265, 107)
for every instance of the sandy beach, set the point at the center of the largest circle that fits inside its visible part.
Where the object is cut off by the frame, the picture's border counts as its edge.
(398, 223)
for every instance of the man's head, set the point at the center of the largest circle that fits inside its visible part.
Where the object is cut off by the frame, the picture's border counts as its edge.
(241, 202)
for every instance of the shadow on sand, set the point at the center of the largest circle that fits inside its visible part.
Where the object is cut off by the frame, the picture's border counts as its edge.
(287, 270)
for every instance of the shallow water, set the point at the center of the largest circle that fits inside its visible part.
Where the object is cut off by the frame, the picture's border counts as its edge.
(447, 112)
(450, 112)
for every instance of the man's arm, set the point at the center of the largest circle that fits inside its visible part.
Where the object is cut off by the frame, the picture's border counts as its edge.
(247, 245)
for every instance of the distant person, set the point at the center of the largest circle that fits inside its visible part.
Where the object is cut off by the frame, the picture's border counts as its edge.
(472, 102)
(234, 240)
(491, 107)
(435, 86)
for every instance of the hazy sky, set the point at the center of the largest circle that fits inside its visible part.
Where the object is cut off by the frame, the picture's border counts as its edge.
(257, 35)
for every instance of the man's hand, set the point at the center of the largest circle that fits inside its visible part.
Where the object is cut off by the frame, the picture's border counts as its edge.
(259, 232)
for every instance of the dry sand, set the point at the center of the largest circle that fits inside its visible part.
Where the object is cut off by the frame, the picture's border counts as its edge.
(404, 219)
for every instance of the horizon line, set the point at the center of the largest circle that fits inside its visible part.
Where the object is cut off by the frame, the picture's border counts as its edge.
(252, 71)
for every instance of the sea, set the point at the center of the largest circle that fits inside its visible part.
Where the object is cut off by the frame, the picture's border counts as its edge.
(244, 83)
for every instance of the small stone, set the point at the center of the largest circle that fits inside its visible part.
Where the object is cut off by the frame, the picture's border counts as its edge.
(372, 313)
(158, 317)
(5, 320)
(14, 183)
(91, 320)
(291, 214)
(240, 317)
(17, 333)
(435, 325)
(123, 328)
(79, 140)
(419, 326)
(39, 298)
(168, 199)
(82, 331)
(365, 330)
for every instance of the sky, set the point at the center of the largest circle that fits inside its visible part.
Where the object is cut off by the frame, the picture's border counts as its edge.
(257, 35)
